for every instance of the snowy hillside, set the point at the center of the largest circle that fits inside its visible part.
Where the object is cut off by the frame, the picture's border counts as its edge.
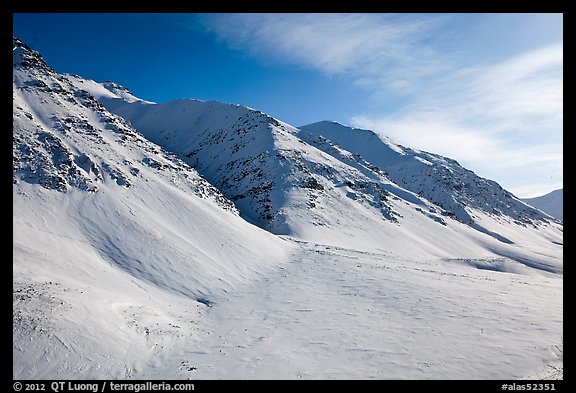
(551, 203)
(438, 179)
(194, 239)
(107, 223)
(347, 187)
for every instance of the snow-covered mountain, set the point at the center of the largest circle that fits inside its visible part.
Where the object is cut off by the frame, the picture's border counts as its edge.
(330, 183)
(551, 203)
(440, 180)
(105, 218)
(204, 239)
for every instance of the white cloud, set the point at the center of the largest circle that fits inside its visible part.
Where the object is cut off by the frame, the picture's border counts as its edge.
(468, 145)
(522, 88)
(426, 131)
(361, 45)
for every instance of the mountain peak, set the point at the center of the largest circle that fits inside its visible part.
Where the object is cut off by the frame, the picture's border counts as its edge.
(115, 87)
(335, 125)
(26, 57)
(440, 180)
(329, 127)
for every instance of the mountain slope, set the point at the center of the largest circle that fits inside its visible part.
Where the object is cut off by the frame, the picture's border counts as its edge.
(438, 179)
(355, 193)
(551, 203)
(101, 213)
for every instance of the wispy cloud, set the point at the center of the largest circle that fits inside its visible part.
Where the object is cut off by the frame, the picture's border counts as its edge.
(502, 118)
(361, 45)
(509, 94)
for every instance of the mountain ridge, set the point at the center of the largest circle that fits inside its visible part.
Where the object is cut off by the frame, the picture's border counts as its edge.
(458, 186)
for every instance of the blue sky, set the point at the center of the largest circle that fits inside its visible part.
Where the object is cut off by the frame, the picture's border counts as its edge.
(484, 89)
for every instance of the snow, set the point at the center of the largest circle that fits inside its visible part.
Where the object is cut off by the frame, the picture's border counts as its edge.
(295, 182)
(117, 271)
(206, 240)
(438, 179)
(106, 91)
(109, 276)
(335, 313)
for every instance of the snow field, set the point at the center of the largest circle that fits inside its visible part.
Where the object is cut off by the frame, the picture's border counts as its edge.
(335, 313)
